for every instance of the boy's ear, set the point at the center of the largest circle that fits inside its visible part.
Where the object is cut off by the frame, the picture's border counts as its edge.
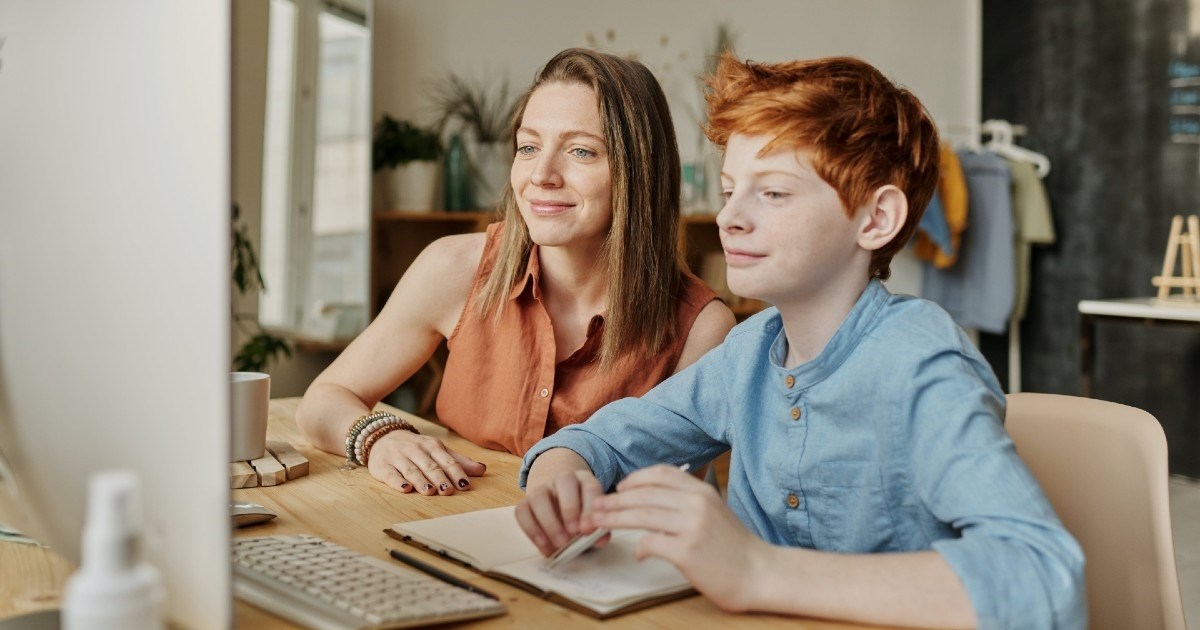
(882, 217)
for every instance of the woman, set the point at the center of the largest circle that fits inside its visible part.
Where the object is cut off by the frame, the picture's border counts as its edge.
(577, 298)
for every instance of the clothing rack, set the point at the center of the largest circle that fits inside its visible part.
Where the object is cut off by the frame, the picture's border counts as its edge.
(1000, 135)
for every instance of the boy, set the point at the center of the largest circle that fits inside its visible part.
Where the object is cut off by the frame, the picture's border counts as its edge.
(871, 478)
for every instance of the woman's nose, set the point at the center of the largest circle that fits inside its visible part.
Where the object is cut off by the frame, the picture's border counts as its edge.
(545, 171)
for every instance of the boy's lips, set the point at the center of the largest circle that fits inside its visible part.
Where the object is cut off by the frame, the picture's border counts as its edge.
(741, 258)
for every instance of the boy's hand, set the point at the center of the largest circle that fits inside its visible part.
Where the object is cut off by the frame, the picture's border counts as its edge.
(551, 514)
(688, 525)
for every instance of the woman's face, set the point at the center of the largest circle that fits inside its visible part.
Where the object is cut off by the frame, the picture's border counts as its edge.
(560, 172)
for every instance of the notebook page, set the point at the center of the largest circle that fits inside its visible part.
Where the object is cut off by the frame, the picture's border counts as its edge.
(603, 579)
(484, 538)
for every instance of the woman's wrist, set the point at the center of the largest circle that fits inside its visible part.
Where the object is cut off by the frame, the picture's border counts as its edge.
(369, 428)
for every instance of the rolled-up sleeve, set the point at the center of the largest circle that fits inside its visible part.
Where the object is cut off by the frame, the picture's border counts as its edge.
(1019, 565)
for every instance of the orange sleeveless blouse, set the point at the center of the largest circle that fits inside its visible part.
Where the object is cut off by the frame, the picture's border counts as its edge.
(502, 388)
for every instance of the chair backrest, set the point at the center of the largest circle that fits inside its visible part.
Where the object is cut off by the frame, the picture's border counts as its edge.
(1104, 468)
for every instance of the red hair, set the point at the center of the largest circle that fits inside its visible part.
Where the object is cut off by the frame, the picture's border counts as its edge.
(864, 131)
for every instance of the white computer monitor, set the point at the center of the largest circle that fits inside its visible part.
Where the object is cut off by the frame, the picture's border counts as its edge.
(114, 275)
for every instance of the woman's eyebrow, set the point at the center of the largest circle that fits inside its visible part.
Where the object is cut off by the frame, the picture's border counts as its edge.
(565, 134)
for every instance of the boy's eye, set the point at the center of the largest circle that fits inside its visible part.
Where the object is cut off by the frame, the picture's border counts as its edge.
(726, 194)
(775, 195)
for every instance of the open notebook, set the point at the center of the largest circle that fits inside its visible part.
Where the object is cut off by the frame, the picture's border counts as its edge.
(602, 582)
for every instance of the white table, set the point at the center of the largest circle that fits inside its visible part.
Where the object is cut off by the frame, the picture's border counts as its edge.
(1147, 311)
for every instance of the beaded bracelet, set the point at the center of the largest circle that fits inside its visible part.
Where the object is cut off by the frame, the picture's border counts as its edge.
(379, 433)
(364, 427)
(357, 427)
(368, 430)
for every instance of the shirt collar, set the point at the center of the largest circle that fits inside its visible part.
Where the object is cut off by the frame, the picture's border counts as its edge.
(531, 281)
(858, 322)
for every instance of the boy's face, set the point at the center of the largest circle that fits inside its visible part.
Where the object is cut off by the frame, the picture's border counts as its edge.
(786, 237)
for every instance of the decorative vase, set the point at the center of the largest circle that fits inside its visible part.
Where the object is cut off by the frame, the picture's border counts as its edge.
(492, 162)
(458, 177)
(414, 186)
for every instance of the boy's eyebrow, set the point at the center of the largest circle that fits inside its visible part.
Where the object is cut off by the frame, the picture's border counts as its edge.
(565, 134)
(787, 173)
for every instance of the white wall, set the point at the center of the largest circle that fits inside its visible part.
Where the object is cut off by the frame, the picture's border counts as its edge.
(931, 46)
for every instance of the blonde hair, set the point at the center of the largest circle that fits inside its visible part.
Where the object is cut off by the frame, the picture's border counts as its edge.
(645, 269)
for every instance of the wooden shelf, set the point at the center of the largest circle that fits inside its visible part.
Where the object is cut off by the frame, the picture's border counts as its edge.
(399, 235)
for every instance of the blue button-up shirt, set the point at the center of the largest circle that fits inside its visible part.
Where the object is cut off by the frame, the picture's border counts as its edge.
(892, 439)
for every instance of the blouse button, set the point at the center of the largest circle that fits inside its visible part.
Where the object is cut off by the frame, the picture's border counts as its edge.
(789, 381)
(545, 392)
(795, 413)
(793, 502)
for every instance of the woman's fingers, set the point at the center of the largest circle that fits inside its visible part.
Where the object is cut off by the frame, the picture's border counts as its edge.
(470, 466)
(423, 462)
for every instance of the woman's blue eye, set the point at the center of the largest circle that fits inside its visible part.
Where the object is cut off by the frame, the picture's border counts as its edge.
(582, 153)
(526, 150)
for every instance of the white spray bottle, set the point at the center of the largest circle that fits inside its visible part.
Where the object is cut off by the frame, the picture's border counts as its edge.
(114, 588)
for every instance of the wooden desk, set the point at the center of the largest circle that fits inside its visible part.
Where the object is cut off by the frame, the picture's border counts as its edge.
(350, 508)
(1147, 311)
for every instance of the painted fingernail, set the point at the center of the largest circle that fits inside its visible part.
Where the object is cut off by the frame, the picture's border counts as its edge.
(463, 483)
(428, 486)
(444, 487)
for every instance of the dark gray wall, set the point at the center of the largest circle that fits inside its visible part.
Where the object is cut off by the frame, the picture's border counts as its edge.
(1089, 80)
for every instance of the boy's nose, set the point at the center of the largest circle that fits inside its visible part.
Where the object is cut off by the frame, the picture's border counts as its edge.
(731, 218)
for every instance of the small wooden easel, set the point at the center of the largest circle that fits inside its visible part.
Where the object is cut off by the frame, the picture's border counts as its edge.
(1188, 244)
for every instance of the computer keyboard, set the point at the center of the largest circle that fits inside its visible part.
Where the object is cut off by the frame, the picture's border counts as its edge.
(319, 584)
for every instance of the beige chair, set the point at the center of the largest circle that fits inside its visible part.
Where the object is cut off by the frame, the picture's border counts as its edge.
(1104, 468)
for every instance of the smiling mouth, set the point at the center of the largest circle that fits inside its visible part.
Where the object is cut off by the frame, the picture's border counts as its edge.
(739, 258)
(549, 208)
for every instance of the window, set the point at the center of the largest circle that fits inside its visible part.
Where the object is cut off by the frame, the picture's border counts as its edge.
(316, 170)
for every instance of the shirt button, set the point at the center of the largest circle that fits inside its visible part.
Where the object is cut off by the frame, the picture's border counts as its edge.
(545, 392)
(795, 413)
(789, 381)
(793, 502)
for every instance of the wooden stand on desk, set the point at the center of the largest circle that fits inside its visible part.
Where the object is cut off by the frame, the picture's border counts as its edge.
(1188, 246)
(280, 463)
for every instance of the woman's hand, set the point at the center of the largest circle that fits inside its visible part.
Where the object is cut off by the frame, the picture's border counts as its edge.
(552, 513)
(407, 462)
(690, 526)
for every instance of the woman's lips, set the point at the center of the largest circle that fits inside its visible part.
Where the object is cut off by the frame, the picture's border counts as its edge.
(548, 208)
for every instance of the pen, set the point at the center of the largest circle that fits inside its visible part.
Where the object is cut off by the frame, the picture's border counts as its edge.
(438, 573)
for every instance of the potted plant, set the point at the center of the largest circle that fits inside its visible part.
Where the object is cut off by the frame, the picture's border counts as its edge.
(408, 154)
(484, 111)
(260, 346)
